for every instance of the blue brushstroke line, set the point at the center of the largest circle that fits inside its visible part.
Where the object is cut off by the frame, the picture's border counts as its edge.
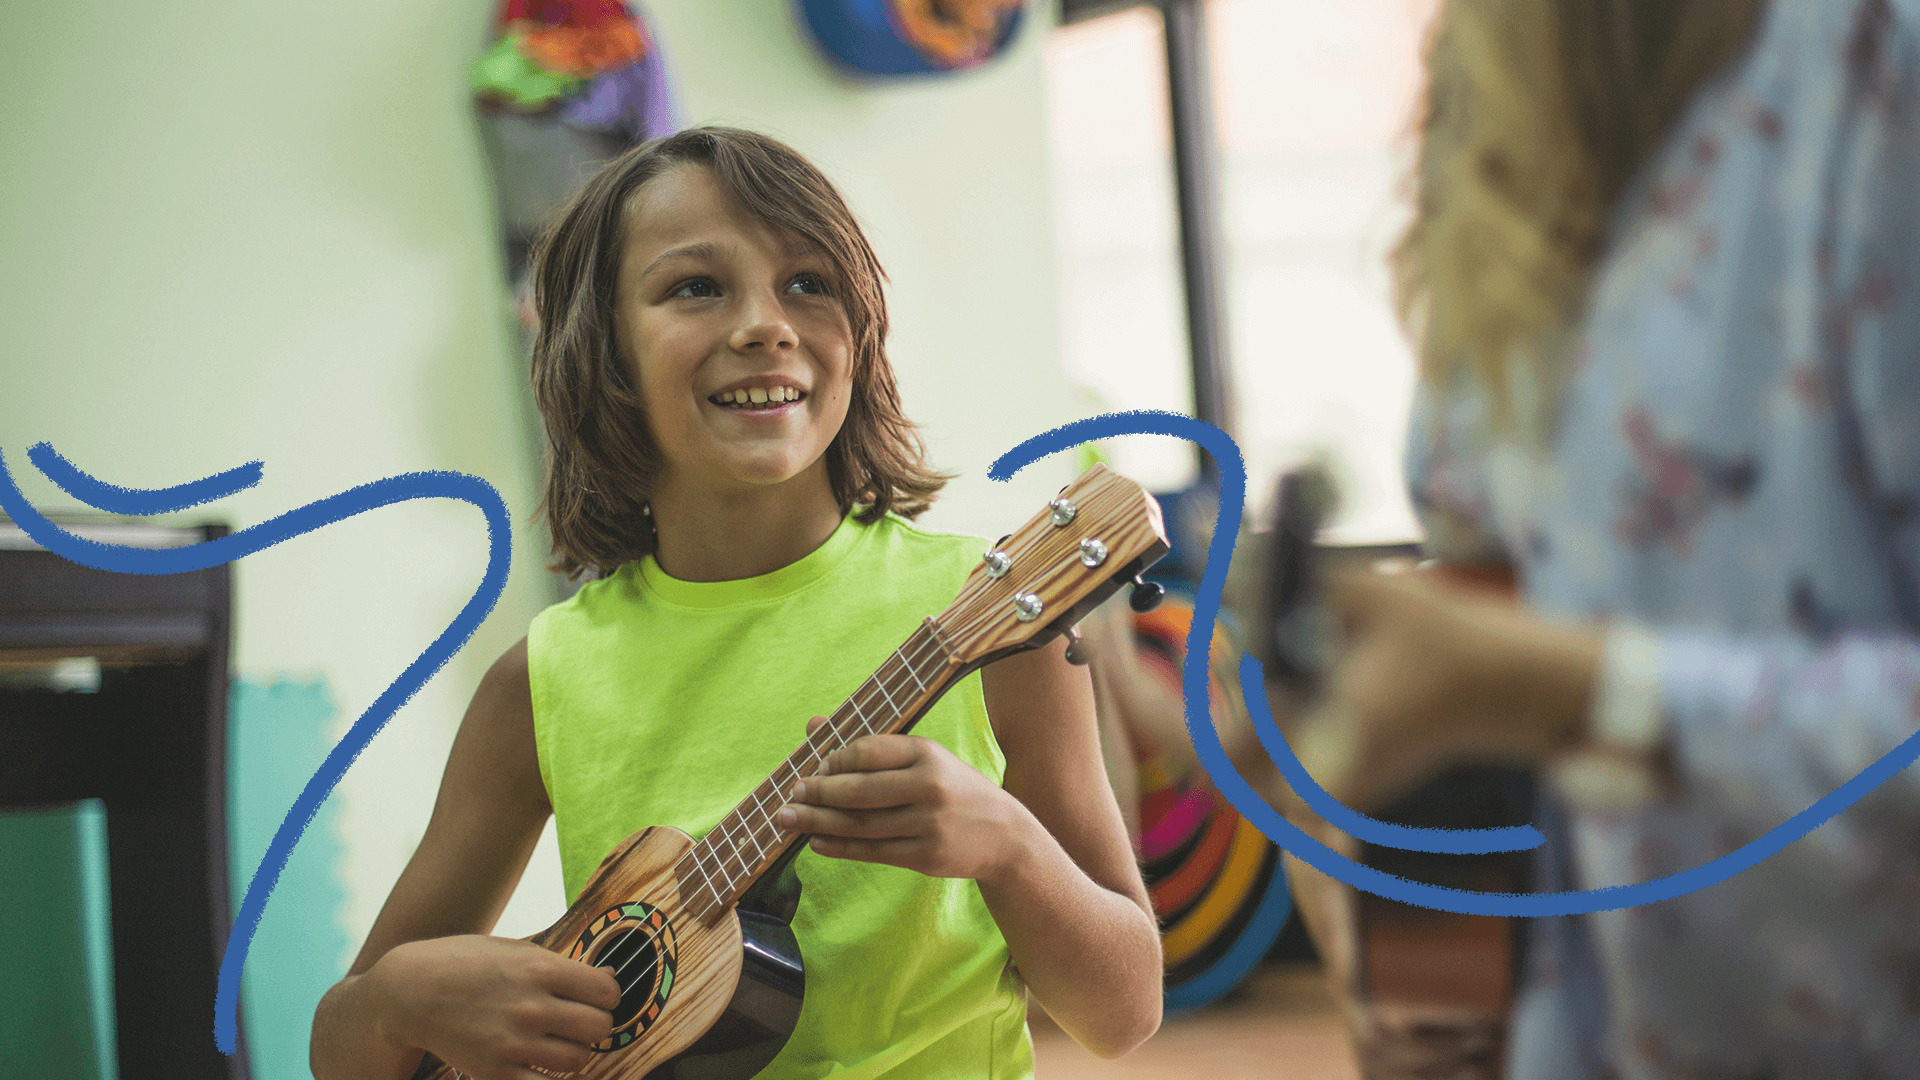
(134, 501)
(1347, 820)
(1357, 825)
(1228, 781)
(315, 515)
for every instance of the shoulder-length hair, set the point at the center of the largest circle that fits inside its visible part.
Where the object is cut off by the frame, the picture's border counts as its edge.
(1538, 114)
(602, 461)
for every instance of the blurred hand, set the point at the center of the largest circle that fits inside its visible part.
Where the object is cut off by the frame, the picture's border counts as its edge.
(493, 1007)
(1433, 675)
(906, 801)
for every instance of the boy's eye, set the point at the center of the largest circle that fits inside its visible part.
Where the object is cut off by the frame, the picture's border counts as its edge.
(808, 283)
(698, 289)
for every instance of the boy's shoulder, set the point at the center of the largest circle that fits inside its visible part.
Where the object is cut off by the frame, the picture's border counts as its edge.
(906, 539)
(588, 599)
(917, 533)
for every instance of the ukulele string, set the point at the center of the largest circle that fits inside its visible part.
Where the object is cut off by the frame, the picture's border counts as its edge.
(921, 645)
(922, 649)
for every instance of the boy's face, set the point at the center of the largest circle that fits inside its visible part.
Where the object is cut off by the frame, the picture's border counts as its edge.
(736, 337)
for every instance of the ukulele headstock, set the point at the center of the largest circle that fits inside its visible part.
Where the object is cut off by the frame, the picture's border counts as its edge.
(1099, 534)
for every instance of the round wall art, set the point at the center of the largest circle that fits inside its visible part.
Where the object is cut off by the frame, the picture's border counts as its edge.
(911, 37)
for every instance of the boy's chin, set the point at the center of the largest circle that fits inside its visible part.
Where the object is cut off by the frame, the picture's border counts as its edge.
(769, 474)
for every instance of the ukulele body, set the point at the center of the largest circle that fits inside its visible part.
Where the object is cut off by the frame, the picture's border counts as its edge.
(700, 1000)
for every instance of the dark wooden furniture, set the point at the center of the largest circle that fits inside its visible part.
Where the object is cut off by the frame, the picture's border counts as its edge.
(150, 742)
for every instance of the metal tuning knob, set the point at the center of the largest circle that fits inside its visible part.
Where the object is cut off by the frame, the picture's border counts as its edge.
(1092, 552)
(1063, 512)
(1146, 594)
(998, 563)
(1076, 648)
(1027, 607)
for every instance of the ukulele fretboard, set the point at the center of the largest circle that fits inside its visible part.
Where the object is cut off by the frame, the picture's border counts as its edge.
(722, 864)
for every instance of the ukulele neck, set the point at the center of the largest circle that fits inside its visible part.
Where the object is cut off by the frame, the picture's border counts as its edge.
(724, 863)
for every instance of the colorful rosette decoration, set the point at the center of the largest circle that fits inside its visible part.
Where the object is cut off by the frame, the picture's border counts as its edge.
(589, 61)
(565, 86)
(912, 37)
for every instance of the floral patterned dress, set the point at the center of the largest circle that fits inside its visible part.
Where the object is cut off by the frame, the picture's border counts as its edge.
(1731, 483)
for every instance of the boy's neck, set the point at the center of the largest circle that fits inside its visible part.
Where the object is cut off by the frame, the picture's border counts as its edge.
(733, 535)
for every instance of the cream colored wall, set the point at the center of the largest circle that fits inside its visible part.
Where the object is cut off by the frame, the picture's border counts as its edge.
(262, 231)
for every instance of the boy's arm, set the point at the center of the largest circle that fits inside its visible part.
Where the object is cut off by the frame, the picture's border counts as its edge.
(415, 981)
(1072, 905)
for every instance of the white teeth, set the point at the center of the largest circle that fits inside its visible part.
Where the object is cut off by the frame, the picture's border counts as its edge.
(757, 396)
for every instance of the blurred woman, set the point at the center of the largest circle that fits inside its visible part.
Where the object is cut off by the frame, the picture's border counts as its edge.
(1664, 277)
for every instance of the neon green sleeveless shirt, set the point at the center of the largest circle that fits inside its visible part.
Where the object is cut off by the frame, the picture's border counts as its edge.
(664, 702)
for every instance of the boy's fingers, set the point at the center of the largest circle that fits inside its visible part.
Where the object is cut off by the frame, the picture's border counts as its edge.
(583, 1024)
(557, 1055)
(859, 790)
(575, 980)
(864, 824)
(890, 852)
(871, 753)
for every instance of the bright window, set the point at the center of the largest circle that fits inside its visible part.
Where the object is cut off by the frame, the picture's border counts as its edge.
(1314, 103)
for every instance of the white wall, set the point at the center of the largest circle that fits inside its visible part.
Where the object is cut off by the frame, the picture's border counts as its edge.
(260, 231)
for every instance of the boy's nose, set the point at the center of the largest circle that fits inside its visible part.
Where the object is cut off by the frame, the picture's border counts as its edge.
(764, 325)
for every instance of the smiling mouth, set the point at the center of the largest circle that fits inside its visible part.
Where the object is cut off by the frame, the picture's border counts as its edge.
(771, 397)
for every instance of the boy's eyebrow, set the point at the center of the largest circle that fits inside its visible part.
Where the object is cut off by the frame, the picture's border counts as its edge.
(705, 249)
(796, 248)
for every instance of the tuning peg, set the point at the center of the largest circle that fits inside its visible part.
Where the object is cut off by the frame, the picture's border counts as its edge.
(1146, 594)
(1076, 648)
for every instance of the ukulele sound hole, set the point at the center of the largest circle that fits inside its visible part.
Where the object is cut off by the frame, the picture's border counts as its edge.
(636, 943)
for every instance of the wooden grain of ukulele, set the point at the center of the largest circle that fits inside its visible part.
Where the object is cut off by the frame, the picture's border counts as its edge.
(696, 931)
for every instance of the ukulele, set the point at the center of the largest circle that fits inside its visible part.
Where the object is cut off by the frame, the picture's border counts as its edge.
(697, 932)
(1451, 977)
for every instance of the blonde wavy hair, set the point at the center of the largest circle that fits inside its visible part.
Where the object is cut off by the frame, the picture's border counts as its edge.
(1536, 117)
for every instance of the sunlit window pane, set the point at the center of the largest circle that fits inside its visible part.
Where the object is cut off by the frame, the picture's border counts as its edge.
(1122, 301)
(1314, 103)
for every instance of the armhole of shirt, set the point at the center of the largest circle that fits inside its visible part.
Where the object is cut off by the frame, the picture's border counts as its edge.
(967, 550)
(975, 688)
(975, 685)
(537, 687)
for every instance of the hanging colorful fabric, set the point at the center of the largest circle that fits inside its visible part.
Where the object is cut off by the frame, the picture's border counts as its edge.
(506, 77)
(590, 59)
(912, 37)
(564, 87)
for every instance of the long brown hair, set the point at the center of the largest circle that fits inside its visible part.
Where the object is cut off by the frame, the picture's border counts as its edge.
(602, 461)
(1537, 116)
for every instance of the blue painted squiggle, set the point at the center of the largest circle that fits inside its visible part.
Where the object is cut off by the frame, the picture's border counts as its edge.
(1360, 826)
(306, 519)
(134, 502)
(1230, 783)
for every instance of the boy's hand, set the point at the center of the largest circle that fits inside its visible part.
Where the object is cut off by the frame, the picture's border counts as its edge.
(907, 801)
(493, 1007)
